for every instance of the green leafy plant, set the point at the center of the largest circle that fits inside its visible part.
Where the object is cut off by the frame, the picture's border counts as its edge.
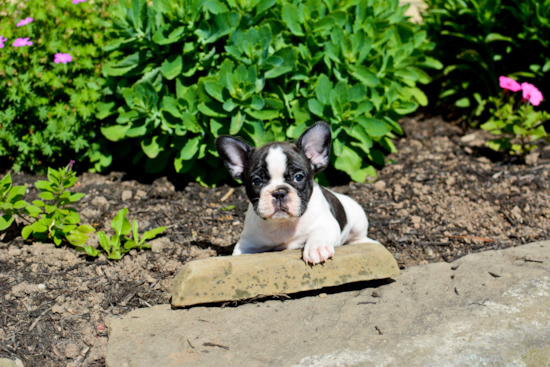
(479, 40)
(48, 105)
(113, 245)
(11, 201)
(514, 119)
(183, 72)
(56, 219)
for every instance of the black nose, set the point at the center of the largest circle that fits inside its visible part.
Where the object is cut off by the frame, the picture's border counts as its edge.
(279, 194)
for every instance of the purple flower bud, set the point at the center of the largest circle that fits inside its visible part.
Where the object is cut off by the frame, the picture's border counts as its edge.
(70, 165)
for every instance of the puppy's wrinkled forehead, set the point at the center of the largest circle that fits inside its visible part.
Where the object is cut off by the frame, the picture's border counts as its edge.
(278, 159)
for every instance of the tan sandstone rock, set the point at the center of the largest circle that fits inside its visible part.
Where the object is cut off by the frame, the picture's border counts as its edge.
(231, 278)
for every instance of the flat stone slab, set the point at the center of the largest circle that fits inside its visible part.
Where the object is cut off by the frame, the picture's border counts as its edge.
(491, 310)
(231, 278)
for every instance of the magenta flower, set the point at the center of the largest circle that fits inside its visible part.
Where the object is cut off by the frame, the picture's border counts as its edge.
(2, 40)
(25, 21)
(78, 1)
(62, 58)
(508, 83)
(531, 93)
(22, 42)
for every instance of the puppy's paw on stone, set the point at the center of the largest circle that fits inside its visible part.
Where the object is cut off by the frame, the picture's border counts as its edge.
(318, 254)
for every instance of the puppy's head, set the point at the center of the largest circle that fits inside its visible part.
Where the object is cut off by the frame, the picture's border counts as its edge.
(278, 177)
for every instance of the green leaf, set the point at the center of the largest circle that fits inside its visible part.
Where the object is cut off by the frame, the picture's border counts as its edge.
(5, 221)
(114, 132)
(86, 228)
(190, 148)
(323, 89)
(364, 75)
(491, 37)
(215, 89)
(16, 193)
(361, 175)
(39, 203)
(263, 114)
(120, 224)
(20, 204)
(91, 251)
(128, 245)
(463, 102)
(172, 66)
(316, 107)
(25, 233)
(153, 146)
(405, 107)
(76, 196)
(135, 230)
(152, 234)
(237, 122)
(43, 185)
(105, 110)
(292, 19)
(349, 161)
(104, 242)
(46, 196)
(373, 127)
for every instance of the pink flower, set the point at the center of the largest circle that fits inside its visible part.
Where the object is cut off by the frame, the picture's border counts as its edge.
(531, 93)
(2, 40)
(62, 58)
(25, 21)
(508, 83)
(22, 42)
(78, 1)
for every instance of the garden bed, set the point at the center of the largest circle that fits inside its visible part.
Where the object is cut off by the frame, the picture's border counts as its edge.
(442, 197)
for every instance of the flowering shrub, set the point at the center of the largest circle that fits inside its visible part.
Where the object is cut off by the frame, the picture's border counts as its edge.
(514, 119)
(50, 82)
(479, 40)
(185, 71)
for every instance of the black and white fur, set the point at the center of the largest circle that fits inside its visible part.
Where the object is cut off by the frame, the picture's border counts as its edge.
(288, 209)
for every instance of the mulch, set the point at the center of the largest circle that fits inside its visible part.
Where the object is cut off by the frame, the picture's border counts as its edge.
(442, 196)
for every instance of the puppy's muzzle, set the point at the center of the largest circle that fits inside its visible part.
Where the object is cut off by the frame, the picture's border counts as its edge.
(279, 196)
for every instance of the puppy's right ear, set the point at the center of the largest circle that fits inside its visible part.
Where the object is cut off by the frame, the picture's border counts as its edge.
(235, 154)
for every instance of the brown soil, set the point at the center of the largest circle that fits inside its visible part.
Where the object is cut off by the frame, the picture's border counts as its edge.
(440, 199)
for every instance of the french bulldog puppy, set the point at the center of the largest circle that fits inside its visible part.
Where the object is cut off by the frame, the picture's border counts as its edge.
(288, 209)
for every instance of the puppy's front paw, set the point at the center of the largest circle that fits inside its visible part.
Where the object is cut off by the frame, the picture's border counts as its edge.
(315, 254)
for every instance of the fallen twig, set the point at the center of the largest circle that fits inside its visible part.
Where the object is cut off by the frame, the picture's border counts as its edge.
(208, 344)
(484, 239)
(227, 195)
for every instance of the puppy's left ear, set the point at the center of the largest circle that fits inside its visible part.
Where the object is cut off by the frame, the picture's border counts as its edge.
(315, 143)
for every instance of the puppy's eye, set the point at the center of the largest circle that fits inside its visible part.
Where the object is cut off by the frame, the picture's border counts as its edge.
(299, 177)
(257, 181)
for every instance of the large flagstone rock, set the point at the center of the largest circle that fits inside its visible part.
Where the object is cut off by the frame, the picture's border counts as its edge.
(485, 309)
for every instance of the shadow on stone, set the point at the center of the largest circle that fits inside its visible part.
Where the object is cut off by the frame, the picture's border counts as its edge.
(349, 287)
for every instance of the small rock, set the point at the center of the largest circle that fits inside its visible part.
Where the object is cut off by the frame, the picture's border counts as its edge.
(415, 219)
(126, 195)
(379, 185)
(100, 201)
(133, 252)
(71, 351)
(450, 181)
(14, 251)
(140, 194)
(4, 362)
(532, 158)
(58, 309)
(160, 243)
(323, 295)
(41, 287)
